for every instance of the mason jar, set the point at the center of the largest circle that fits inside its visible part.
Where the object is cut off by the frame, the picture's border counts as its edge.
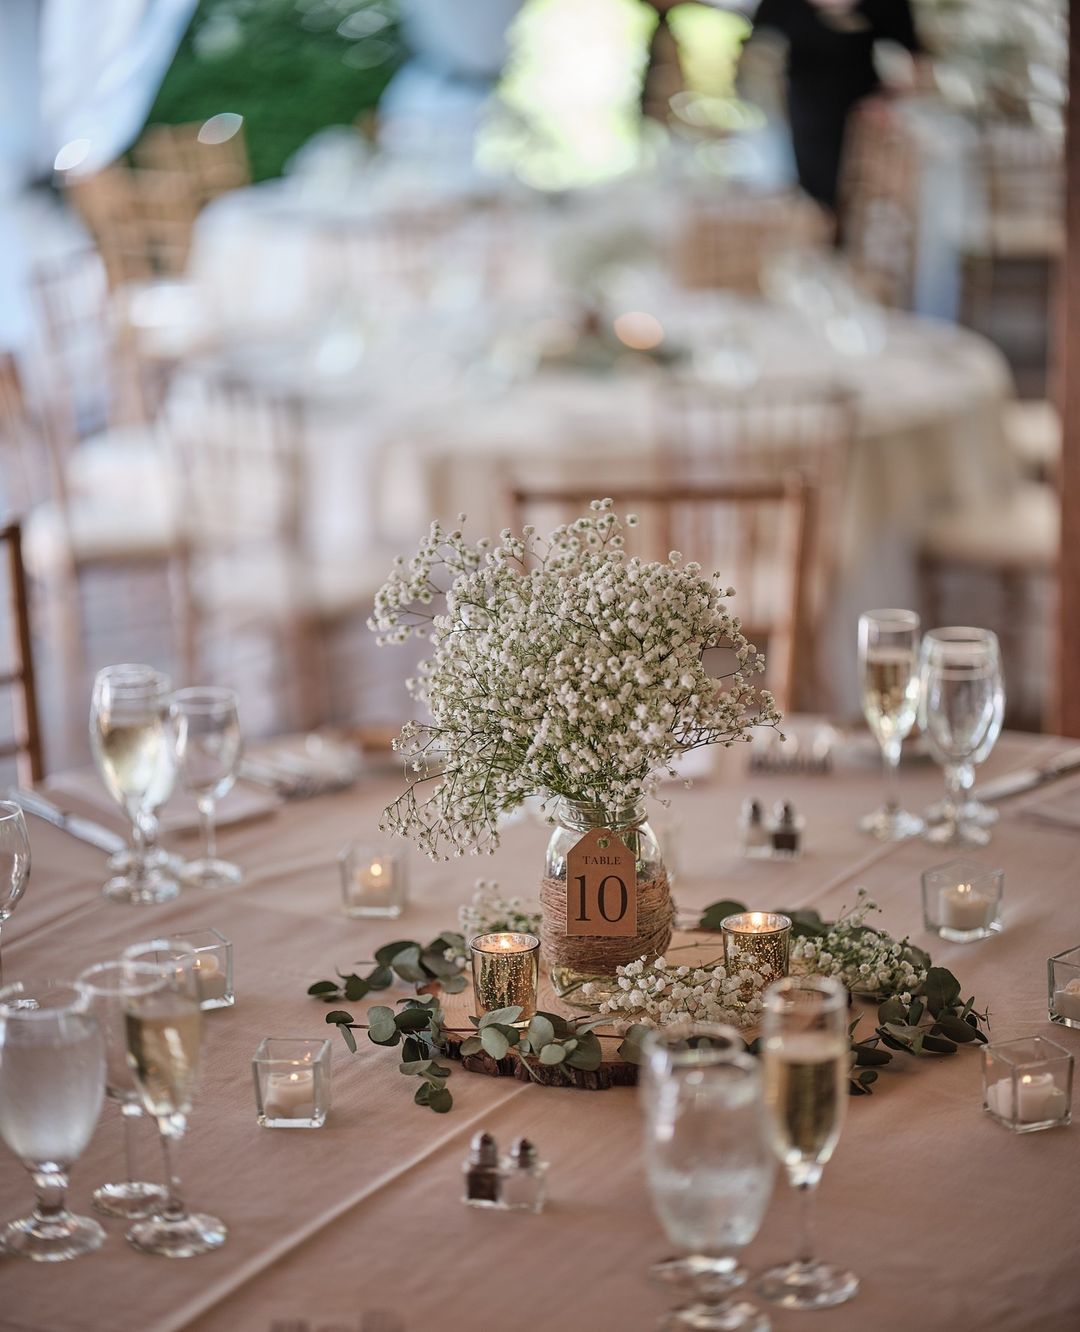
(572, 960)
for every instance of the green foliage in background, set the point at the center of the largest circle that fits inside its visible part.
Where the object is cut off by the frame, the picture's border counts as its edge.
(289, 67)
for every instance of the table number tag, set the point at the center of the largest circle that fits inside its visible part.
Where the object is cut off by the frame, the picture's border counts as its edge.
(601, 886)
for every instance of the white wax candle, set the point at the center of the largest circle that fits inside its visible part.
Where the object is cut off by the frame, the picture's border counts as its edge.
(1067, 1001)
(290, 1095)
(1040, 1098)
(963, 908)
(213, 983)
(376, 879)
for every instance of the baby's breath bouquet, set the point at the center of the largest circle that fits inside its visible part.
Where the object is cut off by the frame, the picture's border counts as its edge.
(561, 667)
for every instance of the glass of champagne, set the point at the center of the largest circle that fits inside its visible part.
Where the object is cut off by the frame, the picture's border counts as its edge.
(133, 751)
(709, 1170)
(805, 1061)
(14, 861)
(972, 812)
(962, 703)
(52, 1084)
(108, 987)
(889, 676)
(163, 1027)
(206, 730)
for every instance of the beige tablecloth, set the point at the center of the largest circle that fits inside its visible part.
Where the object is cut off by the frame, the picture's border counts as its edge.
(950, 1222)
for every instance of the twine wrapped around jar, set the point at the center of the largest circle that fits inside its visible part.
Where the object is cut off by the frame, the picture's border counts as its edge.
(599, 955)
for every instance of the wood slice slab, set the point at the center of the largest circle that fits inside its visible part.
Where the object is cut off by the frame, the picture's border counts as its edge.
(687, 946)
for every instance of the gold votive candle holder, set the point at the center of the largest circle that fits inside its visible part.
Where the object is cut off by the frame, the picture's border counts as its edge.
(506, 969)
(763, 935)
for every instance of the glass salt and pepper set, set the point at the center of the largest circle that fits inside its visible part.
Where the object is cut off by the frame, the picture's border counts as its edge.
(778, 838)
(516, 1183)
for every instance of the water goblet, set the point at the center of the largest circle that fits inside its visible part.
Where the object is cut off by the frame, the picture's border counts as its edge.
(107, 986)
(889, 677)
(206, 730)
(805, 1063)
(163, 1031)
(709, 1168)
(52, 1084)
(14, 862)
(133, 752)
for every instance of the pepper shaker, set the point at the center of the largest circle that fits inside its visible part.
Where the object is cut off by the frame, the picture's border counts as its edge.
(753, 835)
(482, 1176)
(786, 831)
(524, 1178)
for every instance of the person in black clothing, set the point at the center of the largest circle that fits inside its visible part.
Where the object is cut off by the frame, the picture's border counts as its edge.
(830, 67)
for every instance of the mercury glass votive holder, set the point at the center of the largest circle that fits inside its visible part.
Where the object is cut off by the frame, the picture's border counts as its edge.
(765, 935)
(373, 880)
(292, 1082)
(213, 966)
(1027, 1083)
(505, 970)
(962, 900)
(1063, 987)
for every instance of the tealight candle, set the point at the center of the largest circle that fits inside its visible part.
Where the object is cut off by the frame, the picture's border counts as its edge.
(506, 969)
(292, 1082)
(373, 880)
(962, 900)
(964, 908)
(290, 1095)
(1040, 1098)
(764, 935)
(213, 966)
(1067, 1001)
(1027, 1083)
(1063, 987)
(210, 974)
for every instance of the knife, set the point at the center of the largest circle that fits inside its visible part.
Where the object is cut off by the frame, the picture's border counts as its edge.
(1029, 779)
(85, 830)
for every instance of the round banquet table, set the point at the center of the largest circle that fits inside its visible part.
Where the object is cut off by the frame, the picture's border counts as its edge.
(950, 1221)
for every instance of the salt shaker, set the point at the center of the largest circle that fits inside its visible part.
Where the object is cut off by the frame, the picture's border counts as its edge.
(482, 1176)
(524, 1178)
(786, 831)
(754, 837)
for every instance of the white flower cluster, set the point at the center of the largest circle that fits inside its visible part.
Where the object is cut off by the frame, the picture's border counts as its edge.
(561, 667)
(489, 912)
(656, 993)
(866, 961)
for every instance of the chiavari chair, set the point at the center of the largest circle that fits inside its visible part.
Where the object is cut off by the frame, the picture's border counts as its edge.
(25, 746)
(726, 242)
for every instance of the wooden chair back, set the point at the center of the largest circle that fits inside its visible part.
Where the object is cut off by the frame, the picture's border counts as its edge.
(1023, 173)
(209, 157)
(25, 746)
(727, 242)
(710, 523)
(142, 221)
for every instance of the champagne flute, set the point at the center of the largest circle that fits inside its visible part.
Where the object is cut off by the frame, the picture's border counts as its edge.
(108, 986)
(962, 701)
(52, 1084)
(133, 753)
(805, 1059)
(14, 861)
(163, 1029)
(709, 1168)
(888, 670)
(972, 811)
(206, 731)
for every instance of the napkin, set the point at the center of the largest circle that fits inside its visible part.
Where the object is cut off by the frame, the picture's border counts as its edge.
(180, 815)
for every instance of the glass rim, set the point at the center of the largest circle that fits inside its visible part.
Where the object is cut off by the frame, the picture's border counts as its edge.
(128, 673)
(777, 994)
(379, 850)
(778, 923)
(11, 809)
(531, 942)
(262, 1055)
(220, 941)
(895, 615)
(999, 1050)
(159, 944)
(11, 1006)
(204, 698)
(127, 979)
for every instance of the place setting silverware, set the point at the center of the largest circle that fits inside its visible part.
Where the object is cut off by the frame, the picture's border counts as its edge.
(75, 825)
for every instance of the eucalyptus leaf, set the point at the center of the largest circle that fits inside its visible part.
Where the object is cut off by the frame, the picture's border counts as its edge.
(422, 1095)
(412, 1019)
(382, 1027)
(471, 1045)
(386, 954)
(501, 1016)
(540, 1032)
(955, 1028)
(941, 989)
(414, 1066)
(938, 1044)
(866, 1055)
(349, 1037)
(380, 978)
(630, 1048)
(323, 987)
(356, 988)
(440, 1100)
(552, 1054)
(715, 913)
(454, 984)
(412, 1050)
(494, 1042)
(589, 1054)
(338, 1015)
(406, 964)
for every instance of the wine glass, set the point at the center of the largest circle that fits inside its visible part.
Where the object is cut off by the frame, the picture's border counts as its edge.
(805, 1059)
(163, 1029)
(133, 753)
(889, 676)
(52, 1084)
(206, 731)
(971, 811)
(14, 861)
(709, 1168)
(962, 703)
(108, 986)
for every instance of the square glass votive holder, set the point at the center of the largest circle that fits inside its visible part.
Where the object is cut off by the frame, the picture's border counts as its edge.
(506, 970)
(764, 935)
(373, 880)
(292, 1082)
(1063, 987)
(213, 964)
(1027, 1083)
(962, 900)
